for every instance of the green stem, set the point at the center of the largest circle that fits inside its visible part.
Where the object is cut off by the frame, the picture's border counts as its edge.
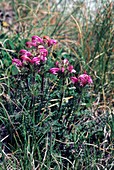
(62, 92)
(32, 95)
(32, 104)
(42, 94)
(42, 87)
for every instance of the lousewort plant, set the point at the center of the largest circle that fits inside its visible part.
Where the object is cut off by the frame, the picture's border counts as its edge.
(49, 93)
(33, 62)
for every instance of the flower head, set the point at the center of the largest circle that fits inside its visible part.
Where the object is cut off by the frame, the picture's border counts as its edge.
(64, 66)
(25, 52)
(85, 79)
(43, 58)
(31, 44)
(25, 59)
(37, 39)
(38, 54)
(70, 68)
(43, 52)
(51, 42)
(17, 62)
(35, 60)
(54, 70)
(47, 40)
(65, 62)
(74, 80)
(57, 63)
(62, 69)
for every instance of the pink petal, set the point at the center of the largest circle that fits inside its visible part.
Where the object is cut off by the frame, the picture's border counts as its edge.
(37, 39)
(57, 63)
(43, 58)
(70, 68)
(85, 79)
(29, 44)
(36, 60)
(25, 52)
(54, 70)
(62, 69)
(65, 61)
(43, 52)
(22, 51)
(17, 62)
(74, 80)
(25, 58)
(51, 42)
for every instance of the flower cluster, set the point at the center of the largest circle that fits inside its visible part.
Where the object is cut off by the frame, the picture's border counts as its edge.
(39, 53)
(63, 66)
(82, 79)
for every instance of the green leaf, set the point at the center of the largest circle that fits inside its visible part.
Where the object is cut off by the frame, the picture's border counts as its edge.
(14, 70)
(11, 45)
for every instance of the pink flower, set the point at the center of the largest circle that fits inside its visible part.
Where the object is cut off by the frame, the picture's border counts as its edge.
(22, 51)
(57, 63)
(25, 52)
(65, 61)
(17, 62)
(54, 70)
(74, 80)
(29, 44)
(43, 58)
(36, 60)
(40, 47)
(70, 68)
(34, 43)
(43, 52)
(37, 39)
(51, 42)
(25, 59)
(62, 69)
(64, 66)
(47, 40)
(85, 79)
